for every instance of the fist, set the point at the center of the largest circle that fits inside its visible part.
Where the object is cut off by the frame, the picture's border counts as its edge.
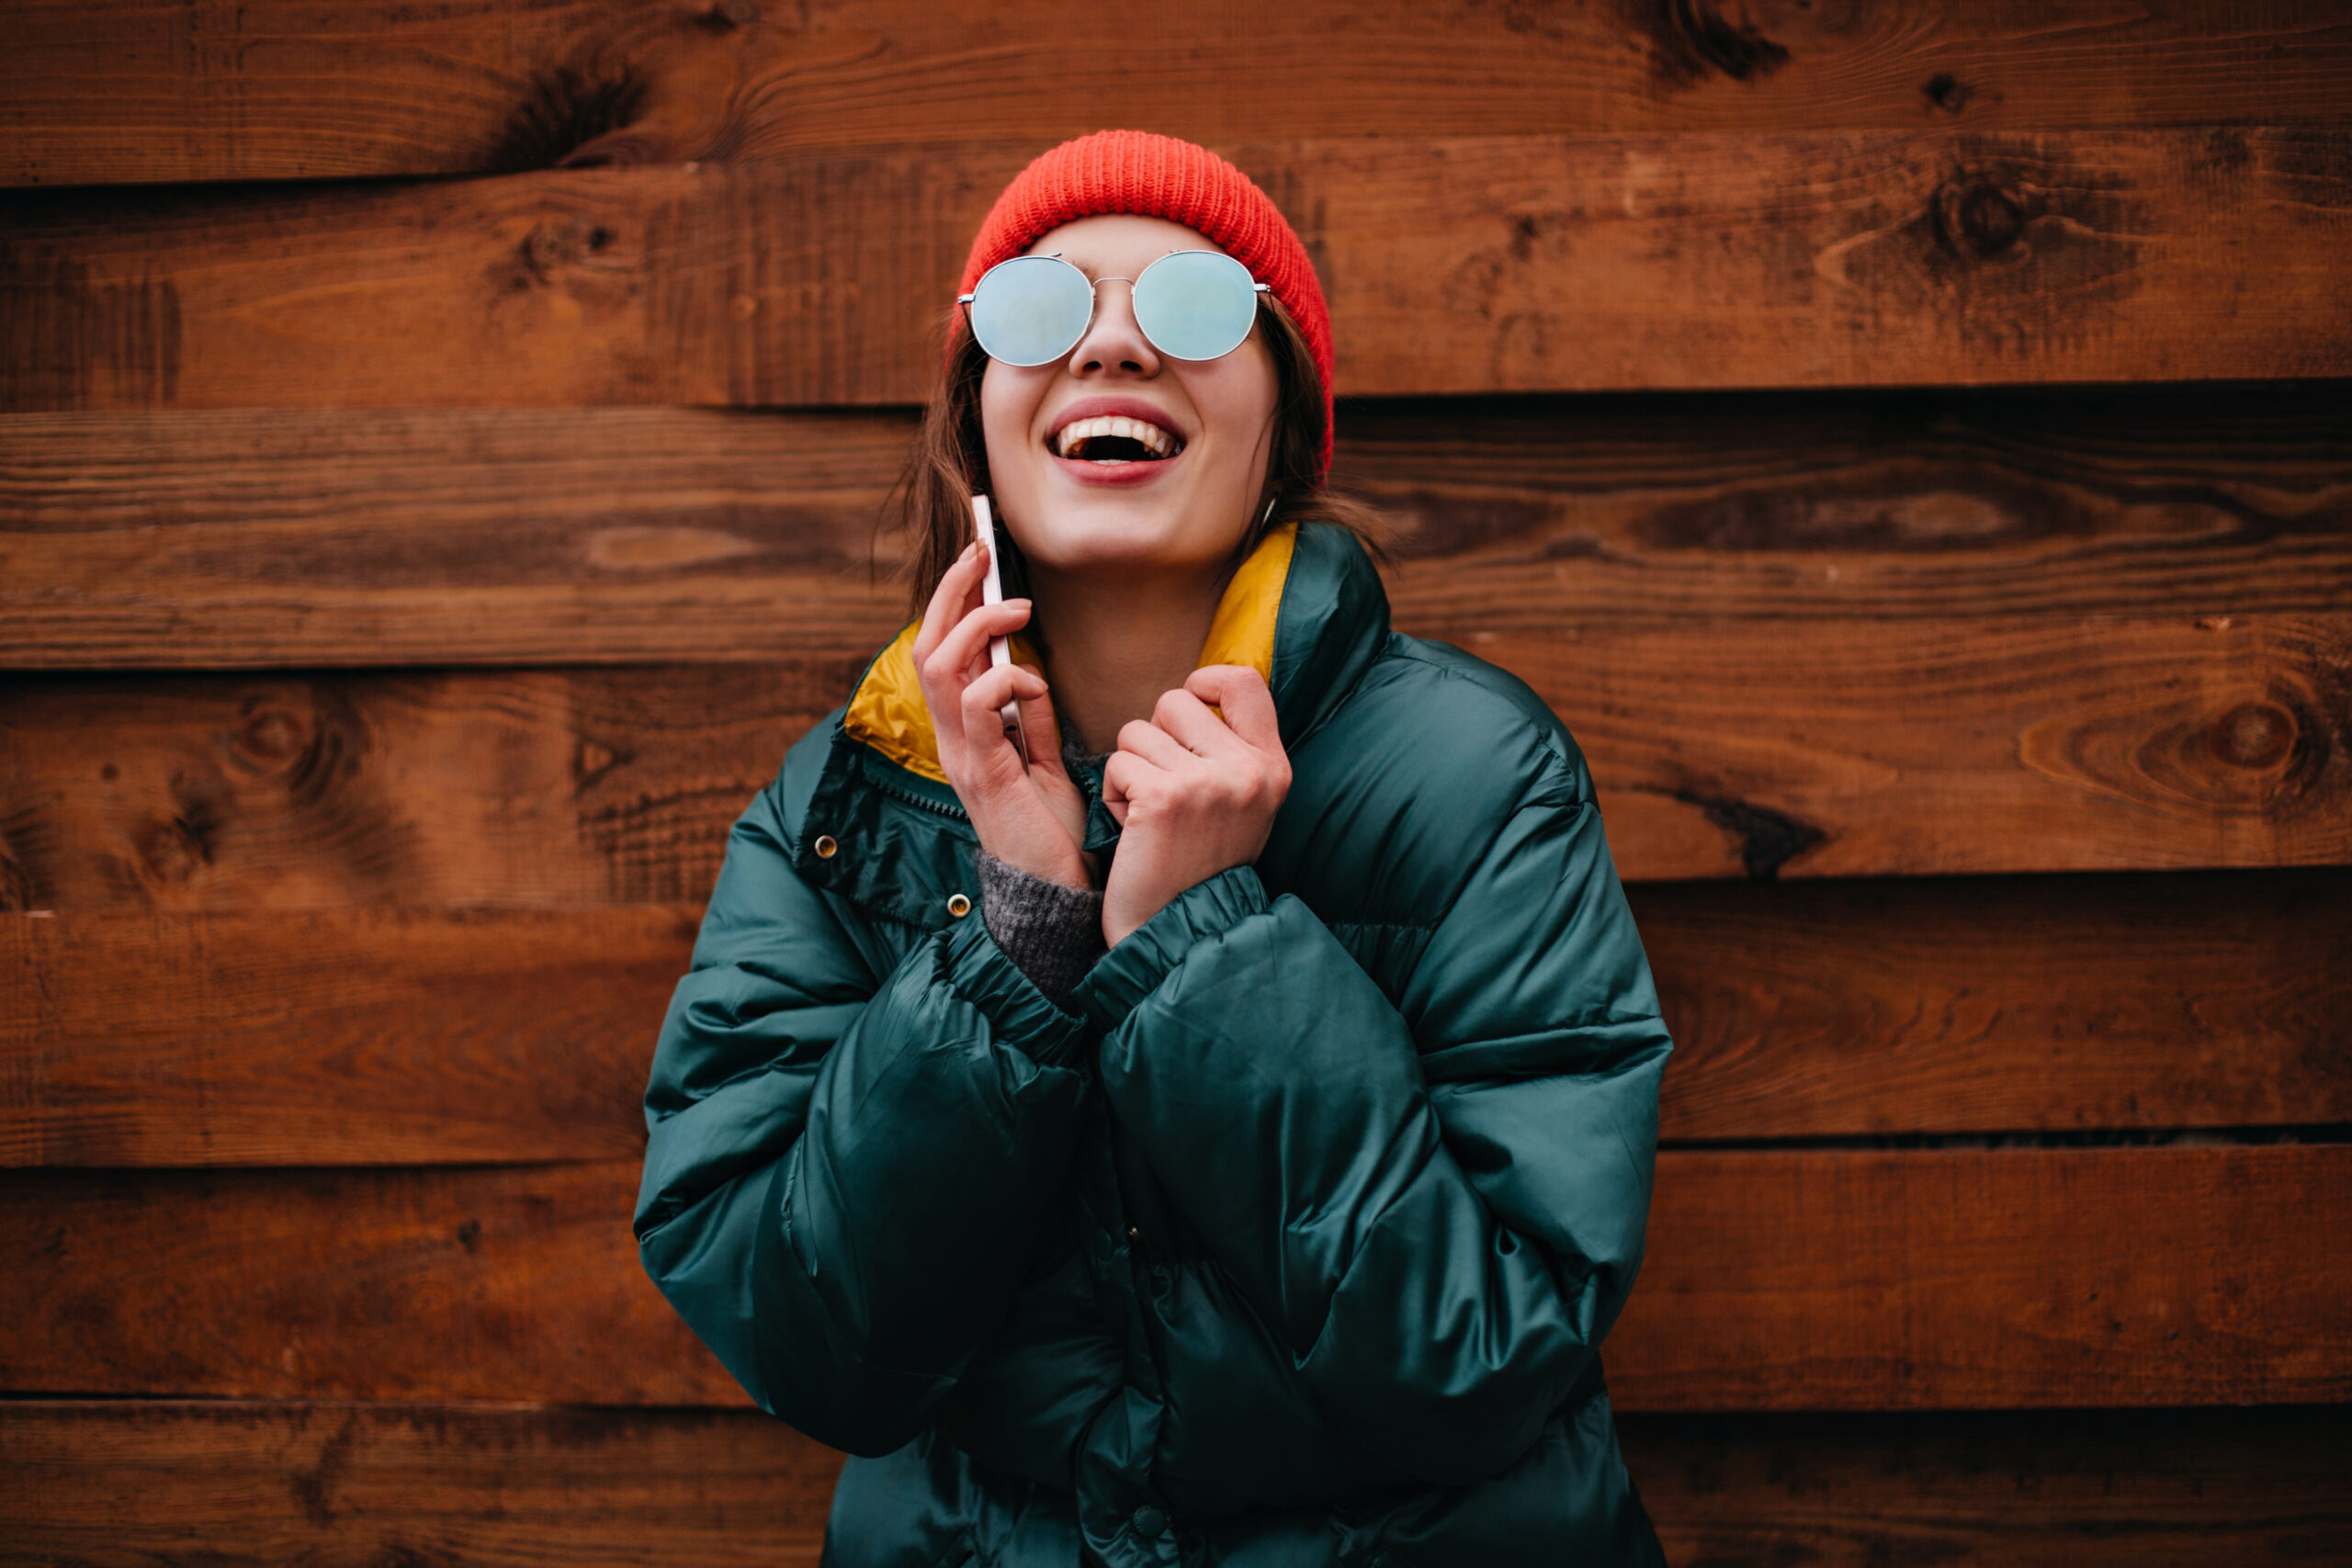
(1193, 794)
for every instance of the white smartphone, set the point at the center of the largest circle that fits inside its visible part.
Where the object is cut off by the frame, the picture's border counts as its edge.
(993, 593)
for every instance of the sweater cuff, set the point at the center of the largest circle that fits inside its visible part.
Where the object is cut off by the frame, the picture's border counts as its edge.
(1134, 969)
(975, 968)
(1054, 934)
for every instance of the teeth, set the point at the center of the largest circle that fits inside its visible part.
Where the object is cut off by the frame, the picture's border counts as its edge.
(1158, 442)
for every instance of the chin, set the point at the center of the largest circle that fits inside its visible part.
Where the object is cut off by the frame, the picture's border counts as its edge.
(1126, 532)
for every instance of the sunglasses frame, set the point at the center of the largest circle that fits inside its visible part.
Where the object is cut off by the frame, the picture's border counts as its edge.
(1094, 300)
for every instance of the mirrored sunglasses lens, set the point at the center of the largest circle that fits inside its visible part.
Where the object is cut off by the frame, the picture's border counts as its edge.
(1030, 310)
(1195, 304)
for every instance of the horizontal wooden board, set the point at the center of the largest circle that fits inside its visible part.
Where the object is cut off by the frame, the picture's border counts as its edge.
(332, 1037)
(1992, 1005)
(1453, 266)
(515, 1283)
(140, 1483)
(1892, 748)
(517, 788)
(145, 90)
(2158, 1489)
(1931, 1279)
(597, 535)
(1805, 1009)
(1854, 749)
(1775, 1281)
(136, 1483)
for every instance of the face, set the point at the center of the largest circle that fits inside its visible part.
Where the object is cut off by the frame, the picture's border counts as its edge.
(1079, 496)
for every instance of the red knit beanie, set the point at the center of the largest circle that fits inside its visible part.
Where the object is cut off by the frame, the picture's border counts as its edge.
(1159, 177)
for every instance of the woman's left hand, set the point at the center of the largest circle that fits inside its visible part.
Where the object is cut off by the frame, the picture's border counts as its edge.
(1193, 794)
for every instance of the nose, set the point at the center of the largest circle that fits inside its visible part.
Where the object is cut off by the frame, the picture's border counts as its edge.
(1114, 339)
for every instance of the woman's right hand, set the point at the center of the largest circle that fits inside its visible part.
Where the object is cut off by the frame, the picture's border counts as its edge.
(1030, 817)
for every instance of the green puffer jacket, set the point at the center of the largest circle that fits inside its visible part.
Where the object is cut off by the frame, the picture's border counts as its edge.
(1293, 1244)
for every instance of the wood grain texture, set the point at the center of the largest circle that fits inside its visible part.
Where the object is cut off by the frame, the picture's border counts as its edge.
(2168, 1489)
(516, 1282)
(139, 1483)
(280, 791)
(523, 535)
(163, 1481)
(141, 90)
(1988, 1005)
(1455, 265)
(1815, 1279)
(1873, 749)
(333, 1038)
(1853, 749)
(446, 537)
(1807, 1010)
(1974, 1278)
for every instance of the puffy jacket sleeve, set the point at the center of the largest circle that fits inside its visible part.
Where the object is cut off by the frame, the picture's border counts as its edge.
(1438, 1202)
(852, 1154)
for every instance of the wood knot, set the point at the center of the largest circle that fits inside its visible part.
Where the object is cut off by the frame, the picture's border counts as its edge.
(1769, 840)
(1694, 39)
(557, 244)
(1948, 92)
(728, 15)
(2255, 735)
(1978, 218)
(15, 887)
(173, 849)
(269, 736)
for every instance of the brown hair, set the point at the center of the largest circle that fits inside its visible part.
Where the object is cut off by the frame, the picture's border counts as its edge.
(950, 462)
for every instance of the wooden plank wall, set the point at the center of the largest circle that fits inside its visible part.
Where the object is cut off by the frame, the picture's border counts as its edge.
(1911, 446)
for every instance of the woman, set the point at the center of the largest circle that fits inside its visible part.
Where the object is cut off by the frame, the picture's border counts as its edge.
(1253, 1180)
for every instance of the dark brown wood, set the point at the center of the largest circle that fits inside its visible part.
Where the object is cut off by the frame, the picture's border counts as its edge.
(1980, 1278)
(143, 90)
(2162, 1489)
(1799, 1010)
(140, 1483)
(1858, 748)
(446, 536)
(332, 1037)
(506, 535)
(1778, 1280)
(170, 1481)
(1453, 266)
(1989, 1005)
(281, 792)
(516, 1282)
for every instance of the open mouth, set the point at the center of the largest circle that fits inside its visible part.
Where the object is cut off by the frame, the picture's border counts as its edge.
(1113, 438)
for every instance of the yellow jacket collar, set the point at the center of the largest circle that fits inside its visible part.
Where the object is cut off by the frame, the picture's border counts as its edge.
(888, 713)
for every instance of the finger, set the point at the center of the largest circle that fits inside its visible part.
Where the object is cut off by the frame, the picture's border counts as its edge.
(1187, 719)
(1154, 745)
(993, 688)
(1240, 692)
(964, 648)
(1122, 776)
(1042, 728)
(959, 591)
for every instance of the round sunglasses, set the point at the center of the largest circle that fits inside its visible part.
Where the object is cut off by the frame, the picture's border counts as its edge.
(1190, 304)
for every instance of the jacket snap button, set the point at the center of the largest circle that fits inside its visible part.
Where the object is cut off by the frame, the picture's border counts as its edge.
(825, 846)
(1150, 1521)
(958, 905)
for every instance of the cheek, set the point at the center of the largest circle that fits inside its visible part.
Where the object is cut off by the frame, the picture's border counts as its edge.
(1238, 400)
(1007, 407)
